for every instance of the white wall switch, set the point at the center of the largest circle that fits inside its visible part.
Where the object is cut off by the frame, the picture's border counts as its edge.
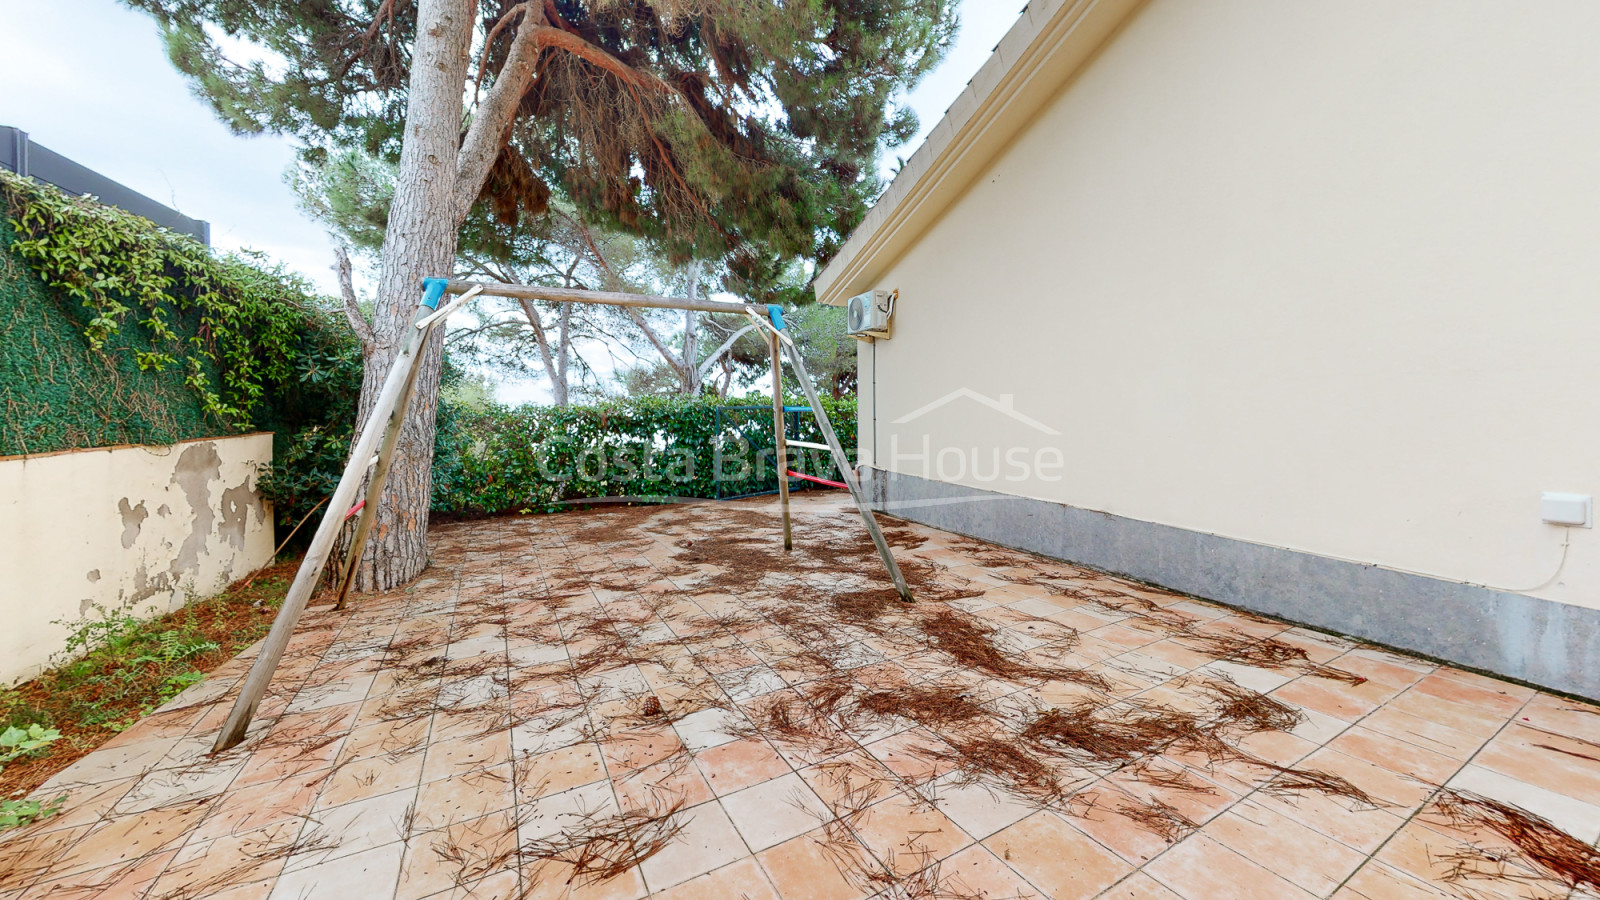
(1567, 509)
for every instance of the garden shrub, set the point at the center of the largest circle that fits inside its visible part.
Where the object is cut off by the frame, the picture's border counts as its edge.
(536, 459)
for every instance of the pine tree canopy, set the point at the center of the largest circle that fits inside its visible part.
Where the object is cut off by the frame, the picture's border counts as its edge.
(738, 129)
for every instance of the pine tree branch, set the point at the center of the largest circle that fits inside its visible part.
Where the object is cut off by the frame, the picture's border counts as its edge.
(532, 312)
(655, 339)
(716, 355)
(352, 309)
(492, 121)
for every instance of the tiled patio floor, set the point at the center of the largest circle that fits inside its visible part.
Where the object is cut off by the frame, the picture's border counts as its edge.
(627, 704)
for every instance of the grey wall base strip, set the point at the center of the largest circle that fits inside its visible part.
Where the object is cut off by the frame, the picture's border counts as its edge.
(1542, 642)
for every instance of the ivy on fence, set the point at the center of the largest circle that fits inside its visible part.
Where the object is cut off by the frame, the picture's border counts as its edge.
(115, 331)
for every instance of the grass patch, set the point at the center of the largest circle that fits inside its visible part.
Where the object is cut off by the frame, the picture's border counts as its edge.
(118, 669)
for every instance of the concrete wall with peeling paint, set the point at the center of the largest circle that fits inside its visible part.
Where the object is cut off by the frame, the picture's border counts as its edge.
(145, 529)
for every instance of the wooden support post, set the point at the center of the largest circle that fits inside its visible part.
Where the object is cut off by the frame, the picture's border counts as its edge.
(847, 471)
(380, 477)
(779, 429)
(305, 580)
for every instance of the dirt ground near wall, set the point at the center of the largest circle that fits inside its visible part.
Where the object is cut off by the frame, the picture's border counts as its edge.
(661, 702)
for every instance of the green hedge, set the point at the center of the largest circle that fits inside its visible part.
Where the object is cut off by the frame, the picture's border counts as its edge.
(535, 459)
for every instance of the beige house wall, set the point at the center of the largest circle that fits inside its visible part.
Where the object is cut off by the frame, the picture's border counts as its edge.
(1321, 275)
(145, 529)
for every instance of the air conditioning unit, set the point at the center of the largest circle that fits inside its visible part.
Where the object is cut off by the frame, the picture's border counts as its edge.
(870, 314)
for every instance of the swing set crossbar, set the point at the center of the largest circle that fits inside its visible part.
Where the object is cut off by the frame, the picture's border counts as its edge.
(374, 448)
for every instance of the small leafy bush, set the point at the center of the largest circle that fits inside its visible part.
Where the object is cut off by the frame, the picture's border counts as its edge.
(16, 743)
(17, 813)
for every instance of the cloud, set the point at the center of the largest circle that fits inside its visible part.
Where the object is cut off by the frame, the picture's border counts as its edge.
(90, 79)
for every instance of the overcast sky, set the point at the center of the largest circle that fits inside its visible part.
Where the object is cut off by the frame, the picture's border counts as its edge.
(89, 79)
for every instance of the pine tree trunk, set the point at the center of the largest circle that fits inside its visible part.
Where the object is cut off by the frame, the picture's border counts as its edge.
(691, 335)
(560, 381)
(420, 243)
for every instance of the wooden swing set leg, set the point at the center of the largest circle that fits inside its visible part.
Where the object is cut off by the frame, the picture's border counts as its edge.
(846, 470)
(779, 429)
(375, 485)
(396, 385)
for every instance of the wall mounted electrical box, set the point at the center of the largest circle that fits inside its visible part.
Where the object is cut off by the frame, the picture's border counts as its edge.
(1567, 509)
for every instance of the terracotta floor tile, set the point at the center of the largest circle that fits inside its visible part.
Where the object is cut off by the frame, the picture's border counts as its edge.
(1356, 826)
(131, 878)
(743, 880)
(906, 835)
(204, 867)
(708, 841)
(1199, 868)
(1293, 851)
(369, 873)
(1502, 699)
(384, 739)
(1424, 733)
(736, 766)
(804, 868)
(249, 808)
(1562, 716)
(1396, 755)
(1565, 765)
(639, 747)
(1140, 886)
(123, 838)
(1056, 858)
(979, 809)
(504, 886)
(1376, 881)
(556, 771)
(849, 781)
(356, 828)
(1577, 818)
(83, 805)
(769, 813)
(371, 776)
(1326, 697)
(978, 874)
(463, 797)
(1106, 822)
(1404, 792)
(384, 776)
(553, 880)
(436, 861)
(461, 755)
(1461, 717)
(1423, 853)
(915, 754)
(662, 785)
(25, 856)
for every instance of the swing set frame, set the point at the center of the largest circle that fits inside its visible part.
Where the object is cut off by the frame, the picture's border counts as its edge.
(374, 448)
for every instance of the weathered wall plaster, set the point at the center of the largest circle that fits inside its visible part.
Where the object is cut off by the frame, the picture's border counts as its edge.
(145, 529)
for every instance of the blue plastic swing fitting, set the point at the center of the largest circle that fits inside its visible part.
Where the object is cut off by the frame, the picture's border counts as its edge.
(775, 313)
(433, 290)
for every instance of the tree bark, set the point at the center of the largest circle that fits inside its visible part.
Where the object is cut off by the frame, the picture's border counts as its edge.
(691, 335)
(439, 177)
(420, 243)
(561, 395)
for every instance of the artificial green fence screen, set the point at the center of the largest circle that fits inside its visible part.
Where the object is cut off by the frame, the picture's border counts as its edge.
(56, 393)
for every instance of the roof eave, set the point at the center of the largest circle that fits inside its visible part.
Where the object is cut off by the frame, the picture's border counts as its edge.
(1051, 43)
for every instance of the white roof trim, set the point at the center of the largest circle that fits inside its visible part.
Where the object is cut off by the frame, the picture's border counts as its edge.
(1050, 43)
